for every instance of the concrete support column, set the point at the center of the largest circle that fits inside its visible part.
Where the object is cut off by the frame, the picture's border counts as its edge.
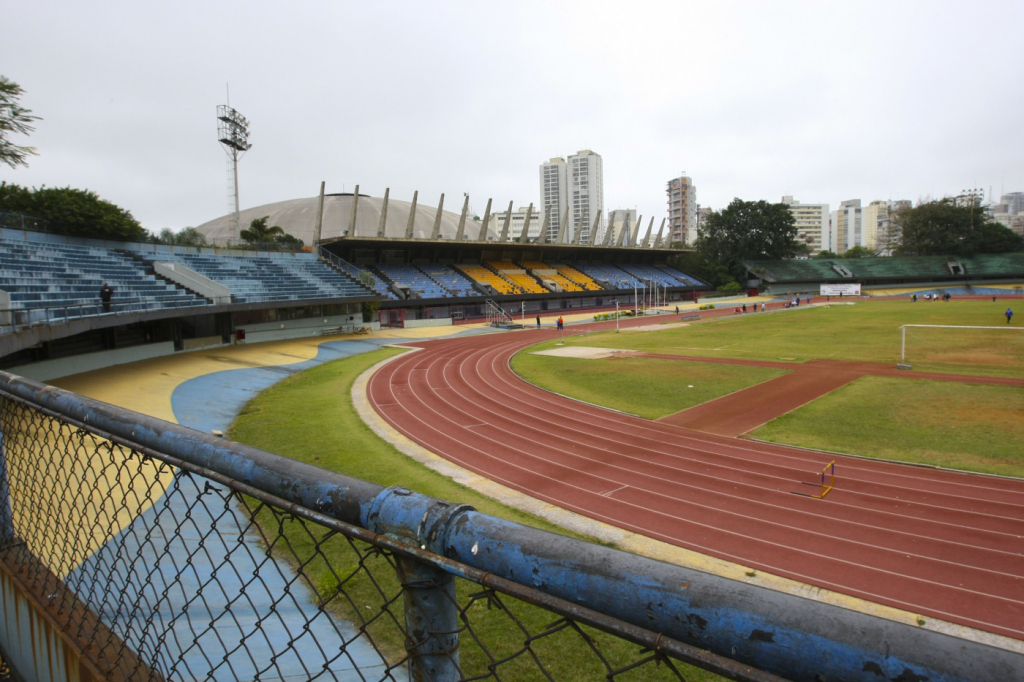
(352, 213)
(318, 225)
(483, 228)
(592, 237)
(524, 236)
(436, 232)
(462, 220)
(561, 230)
(504, 228)
(647, 237)
(543, 238)
(412, 215)
(383, 220)
(657, 242)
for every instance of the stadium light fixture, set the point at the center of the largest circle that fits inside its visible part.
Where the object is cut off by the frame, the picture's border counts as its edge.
(233, 133)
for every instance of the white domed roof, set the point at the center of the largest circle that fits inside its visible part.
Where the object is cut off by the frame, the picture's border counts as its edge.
(297, 217)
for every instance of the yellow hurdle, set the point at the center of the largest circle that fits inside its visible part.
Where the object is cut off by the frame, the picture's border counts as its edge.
(832, 480)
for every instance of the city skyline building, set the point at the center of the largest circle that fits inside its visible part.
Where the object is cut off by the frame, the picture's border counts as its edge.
(576, 183)
(813, 224)
(682, 210)
(845, 232)
(554, 193)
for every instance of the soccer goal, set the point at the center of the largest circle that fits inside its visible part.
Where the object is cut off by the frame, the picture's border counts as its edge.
(962, 345)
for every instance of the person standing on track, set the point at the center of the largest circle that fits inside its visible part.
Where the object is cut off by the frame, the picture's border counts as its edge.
(538, 322)
(1009, 315)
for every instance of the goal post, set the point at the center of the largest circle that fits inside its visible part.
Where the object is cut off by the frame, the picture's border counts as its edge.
(979, 338)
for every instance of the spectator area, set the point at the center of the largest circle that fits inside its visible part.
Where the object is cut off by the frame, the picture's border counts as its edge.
(44, 275)
(518, 276)
(890, 270)
(256, 279)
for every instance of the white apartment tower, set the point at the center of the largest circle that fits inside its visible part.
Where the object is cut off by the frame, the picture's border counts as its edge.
(682, 210)
(554, 193)
(847, 226)
(812, 224)
(576, 184)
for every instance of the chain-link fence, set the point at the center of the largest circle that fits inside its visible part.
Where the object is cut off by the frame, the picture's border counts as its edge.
(160, 569)
(160, 553)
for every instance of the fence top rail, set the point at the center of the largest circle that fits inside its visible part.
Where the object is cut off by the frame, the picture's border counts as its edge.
(814, 638)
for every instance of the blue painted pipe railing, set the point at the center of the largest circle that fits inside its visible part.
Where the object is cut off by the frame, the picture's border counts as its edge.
(792, 637)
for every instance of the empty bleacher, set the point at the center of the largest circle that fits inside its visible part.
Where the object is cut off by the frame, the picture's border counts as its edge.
(517, 275)
(547, 272)
(578, 277)
(484, 276)
(615, 276)
(260, 279)
(65, 276)
(419, 282)
(364, 276)
(449, 278)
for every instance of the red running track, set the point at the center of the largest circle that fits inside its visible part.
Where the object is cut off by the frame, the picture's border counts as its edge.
(940, 543)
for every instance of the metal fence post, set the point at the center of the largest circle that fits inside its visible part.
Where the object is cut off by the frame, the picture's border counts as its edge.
(431, 621)
(7, 536)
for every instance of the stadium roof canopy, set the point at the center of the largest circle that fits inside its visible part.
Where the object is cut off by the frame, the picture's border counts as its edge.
(297, 217)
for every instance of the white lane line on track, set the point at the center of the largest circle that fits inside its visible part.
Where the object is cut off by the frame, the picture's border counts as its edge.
(612, 492)
(430, 427)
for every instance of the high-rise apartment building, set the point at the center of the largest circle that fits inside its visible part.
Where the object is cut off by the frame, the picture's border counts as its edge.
(618, 220)
(554, 193)
(1014, 202)
(576, 183)
(847, 226)
(812, 224)
(682, 210)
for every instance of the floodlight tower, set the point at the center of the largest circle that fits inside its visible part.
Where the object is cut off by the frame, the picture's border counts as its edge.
(233, 133)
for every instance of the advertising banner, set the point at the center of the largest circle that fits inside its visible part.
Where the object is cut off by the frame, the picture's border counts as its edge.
(840, 290)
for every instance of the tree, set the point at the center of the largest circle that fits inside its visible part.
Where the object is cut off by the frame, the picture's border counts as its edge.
(747, 230)
(74, 212)
(827, 254)
(858, 252)
(189, 236)
(941, 228)
(14, 119)
(265, 237)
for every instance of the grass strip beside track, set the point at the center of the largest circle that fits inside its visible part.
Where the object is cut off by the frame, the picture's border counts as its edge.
(961, 426)
(640, 386)
(309, 417)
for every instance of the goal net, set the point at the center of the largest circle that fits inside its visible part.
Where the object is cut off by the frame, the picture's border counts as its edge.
(949, 347)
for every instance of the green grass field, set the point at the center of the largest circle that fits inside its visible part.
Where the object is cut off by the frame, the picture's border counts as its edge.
(667, 387)
(948, 424)
(866, 331)
(309, 417)
(960, 426)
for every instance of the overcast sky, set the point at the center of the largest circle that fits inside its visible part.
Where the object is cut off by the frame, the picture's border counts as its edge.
(826, 101)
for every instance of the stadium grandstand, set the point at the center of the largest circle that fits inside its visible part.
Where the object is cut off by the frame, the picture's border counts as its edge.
(366, 261)
(977, 274)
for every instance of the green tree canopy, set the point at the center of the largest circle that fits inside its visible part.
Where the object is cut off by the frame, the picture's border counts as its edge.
(941, 228)
(827, 254)
(14, 119)
(189, 236)
(74, 212)
(752, 230)
(260, 235)
(858, 252)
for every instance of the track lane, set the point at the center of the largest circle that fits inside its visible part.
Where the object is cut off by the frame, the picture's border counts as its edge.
(962, 564)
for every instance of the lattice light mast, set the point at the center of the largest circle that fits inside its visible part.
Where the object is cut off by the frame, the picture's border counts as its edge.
(233, 133)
